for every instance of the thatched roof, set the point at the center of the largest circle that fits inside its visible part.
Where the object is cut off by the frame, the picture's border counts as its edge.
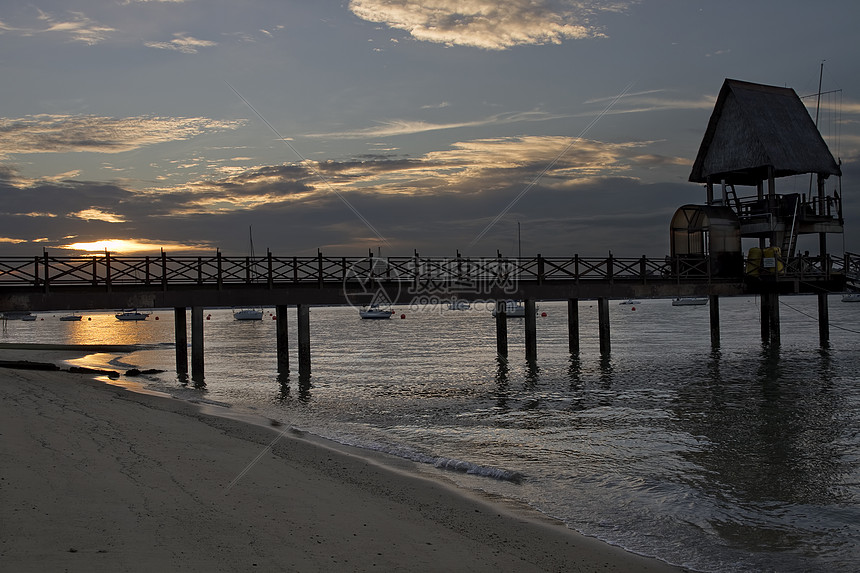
(754, 126)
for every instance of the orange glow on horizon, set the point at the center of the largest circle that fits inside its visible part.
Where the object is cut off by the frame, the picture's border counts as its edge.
(130, 246)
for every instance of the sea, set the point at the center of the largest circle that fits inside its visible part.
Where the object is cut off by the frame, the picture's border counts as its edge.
(744, 457)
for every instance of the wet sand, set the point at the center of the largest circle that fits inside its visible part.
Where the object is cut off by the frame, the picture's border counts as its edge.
(97, 478)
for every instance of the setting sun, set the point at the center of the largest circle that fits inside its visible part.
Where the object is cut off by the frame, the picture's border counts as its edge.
(129, 246)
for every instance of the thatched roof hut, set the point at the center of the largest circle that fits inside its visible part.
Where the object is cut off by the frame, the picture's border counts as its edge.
(754, 128)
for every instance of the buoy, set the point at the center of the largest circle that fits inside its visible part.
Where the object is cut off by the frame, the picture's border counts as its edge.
(208, 316)
(543, 314)
(402, 316)
(632, 308)
(156, 318)
(90, 318)
(274, 317)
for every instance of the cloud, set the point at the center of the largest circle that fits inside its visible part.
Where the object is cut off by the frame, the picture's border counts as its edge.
(407, 127)
(182, 43)
(489, 24)
(63, 133)
(77, 26)
(98, 215)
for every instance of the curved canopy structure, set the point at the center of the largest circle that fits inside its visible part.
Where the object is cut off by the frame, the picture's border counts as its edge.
(709, 231)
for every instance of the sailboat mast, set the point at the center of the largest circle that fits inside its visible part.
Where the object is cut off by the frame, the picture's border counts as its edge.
(519, 243)
(818, 102)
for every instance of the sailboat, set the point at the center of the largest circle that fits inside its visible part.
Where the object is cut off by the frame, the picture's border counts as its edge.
(249, 313)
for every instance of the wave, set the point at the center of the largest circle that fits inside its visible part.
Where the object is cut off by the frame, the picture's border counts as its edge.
(439, 462)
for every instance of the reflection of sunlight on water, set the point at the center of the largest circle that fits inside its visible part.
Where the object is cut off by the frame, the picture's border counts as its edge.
(109, 361)
(104, 328)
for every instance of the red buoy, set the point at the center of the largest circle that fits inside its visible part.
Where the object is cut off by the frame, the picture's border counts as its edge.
(543, 314)
(402, 316)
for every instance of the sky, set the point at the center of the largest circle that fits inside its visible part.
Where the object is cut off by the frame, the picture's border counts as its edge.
(557, 127)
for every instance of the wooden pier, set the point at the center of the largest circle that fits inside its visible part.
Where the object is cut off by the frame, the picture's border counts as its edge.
(47, 282)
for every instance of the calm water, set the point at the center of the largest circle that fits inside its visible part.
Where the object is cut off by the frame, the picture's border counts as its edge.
(738, 459)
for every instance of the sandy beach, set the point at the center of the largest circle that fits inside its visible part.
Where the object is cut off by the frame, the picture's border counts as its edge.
(98, 478)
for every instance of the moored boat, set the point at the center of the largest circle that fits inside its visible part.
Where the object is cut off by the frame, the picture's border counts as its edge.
(690, 301)
(514, 309)
(70, 317)
(851, 297)
(132, 314)
(18, 315)
(249, 314)
(375, 312)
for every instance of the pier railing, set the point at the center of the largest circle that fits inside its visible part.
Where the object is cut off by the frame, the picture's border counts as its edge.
(108, 271)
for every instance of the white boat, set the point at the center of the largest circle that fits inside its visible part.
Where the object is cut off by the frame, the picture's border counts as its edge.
(514, 309)
(249, 314)
(459, 304)
(18, 315)
(690, 301)
(132, 314)
(70, 317)
(375, 312)
(629, 301)
(851, 297)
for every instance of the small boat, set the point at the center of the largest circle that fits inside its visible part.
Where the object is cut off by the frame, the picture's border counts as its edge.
(249, 314)
(375, 312)
(514, 309)
(629, 301)
(19, 315)
(851, 297)
(459, 304)
(70, 317)
(132, 314)
(690, 301)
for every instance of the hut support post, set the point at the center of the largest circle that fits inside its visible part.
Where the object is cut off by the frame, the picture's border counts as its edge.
(531, 330)
(304, 324)
(573, 325)
(823, 319)
(282, 340)
(197, 343)
(501, 329)
(603, 324)
(770, 317)
(714, 302)
(180, 337)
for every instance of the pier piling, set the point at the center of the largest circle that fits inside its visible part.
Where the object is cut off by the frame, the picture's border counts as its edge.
(304, 324)
(501, 329)
(282, 339)
(531, 330)
(573, 325)
(823, 319)
(180, 337)
(197, 343)
(714, 302)
(603, 324)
